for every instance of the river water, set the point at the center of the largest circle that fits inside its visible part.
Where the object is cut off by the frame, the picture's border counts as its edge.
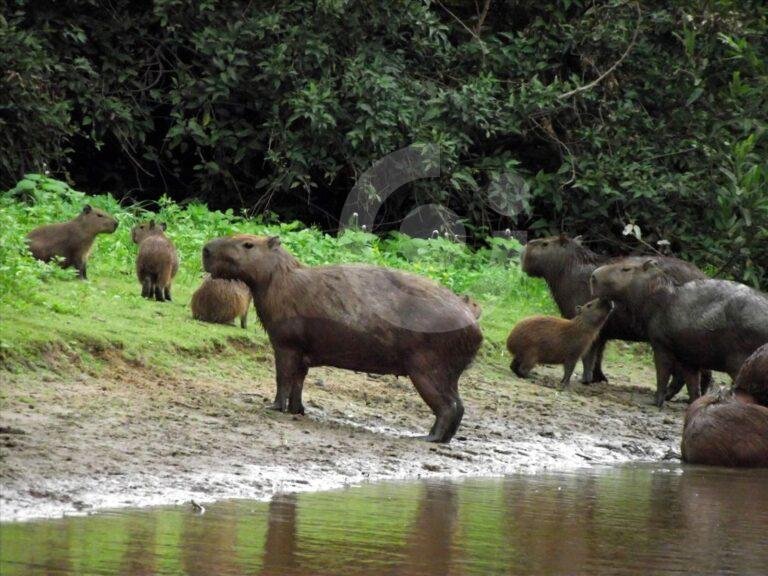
(639, 520)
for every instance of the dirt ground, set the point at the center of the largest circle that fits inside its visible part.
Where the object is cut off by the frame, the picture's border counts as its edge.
(74, 440)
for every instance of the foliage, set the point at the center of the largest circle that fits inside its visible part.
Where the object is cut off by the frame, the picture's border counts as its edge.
(283, 105)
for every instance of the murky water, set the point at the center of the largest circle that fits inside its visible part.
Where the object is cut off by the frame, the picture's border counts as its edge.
(624, 520)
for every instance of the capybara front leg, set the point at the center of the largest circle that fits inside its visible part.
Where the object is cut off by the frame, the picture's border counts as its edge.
(706, 380)
(664, 365)
(168, 293)
(295, 405)
(592, 364)
(288, 366)
(567, 372)
(521, 368)
(146, 288)
(244, 321)
(82, 270)
(159, 296)
(677, 383)
(597, 374)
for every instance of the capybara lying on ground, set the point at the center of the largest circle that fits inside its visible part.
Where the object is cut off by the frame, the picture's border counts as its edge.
(702, 324)
(72, 241)
(725, 430)
(552, 340)
(364, 318)
(221, 301)
(157, 261)
(753, 375)
(566, 265)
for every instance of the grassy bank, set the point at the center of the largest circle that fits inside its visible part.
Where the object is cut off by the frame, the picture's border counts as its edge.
(46, 311)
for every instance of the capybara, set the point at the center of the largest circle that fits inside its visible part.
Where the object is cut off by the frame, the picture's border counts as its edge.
(701, 324)
(157, 261)
(753, 375)
(363, 318)
(566, 266)
(553, 340)
(473, 305)
(725, 430)
(221, 301)
(71, 241)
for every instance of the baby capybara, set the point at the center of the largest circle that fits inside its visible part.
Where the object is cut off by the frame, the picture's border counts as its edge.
(553, 340)
(363, 318)
(726, 430)
(566, 265)
(753, 375)
(221, 301)
(71, 241)
(477, 310)
(701, 324)
(157, 261)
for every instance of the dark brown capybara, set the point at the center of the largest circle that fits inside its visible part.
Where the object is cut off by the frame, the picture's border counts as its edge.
(701, 324)
(157, 261)
(553, 340)
(753, 376)
(363, 318)
(71, 241)
(566, 265)
(221, 301)
(726, 430)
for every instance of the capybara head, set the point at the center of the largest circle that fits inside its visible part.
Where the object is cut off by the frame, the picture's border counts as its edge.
(624, 277)
(96, 221)
(595, 312)
(252, 259)
(544, 255)
(473, 305)
(145, 230)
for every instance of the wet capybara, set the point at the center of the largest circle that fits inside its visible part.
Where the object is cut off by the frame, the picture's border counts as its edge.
(701, 324)
(221, 301)
(725, 430)
(566, 266)
(71, 241)
(553, 340)
(363, 318)
(157, 261)
(753, 376)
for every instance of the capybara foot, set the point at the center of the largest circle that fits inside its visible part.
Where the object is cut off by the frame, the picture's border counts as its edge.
(278, 406)
(447, 423)
(598, 376)
(659, 399)
(296, 409)
(518, 369)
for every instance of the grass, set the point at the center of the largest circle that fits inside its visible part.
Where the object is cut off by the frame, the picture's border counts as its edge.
(45, 311)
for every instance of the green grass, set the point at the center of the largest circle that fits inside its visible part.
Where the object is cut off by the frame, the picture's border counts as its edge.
(44, 309)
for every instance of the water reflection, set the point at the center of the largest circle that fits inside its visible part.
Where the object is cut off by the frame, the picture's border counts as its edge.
(628, 520)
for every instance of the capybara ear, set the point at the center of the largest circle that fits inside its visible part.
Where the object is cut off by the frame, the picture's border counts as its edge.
(652, 263)
(273, 241)
(151, 224)
(87, 209)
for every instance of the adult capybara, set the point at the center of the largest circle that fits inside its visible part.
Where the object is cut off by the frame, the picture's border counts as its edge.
(566, 266)
(725, 430)
(221, 301)
(553, 340)
(364, 318)
(157, 261)
(753, 375)
(701, 324)
(71, 241)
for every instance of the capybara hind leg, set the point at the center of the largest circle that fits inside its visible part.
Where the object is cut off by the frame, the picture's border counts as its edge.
(159, 296)
(567, 372)
(82, 270)
(692, 382)
(664, 365)
(244, 321)
(597, 373)
(445, 404)
(706, 380)
(677, 384)
(146, 288)
(168, 293)
(289, 367)
(295, 405)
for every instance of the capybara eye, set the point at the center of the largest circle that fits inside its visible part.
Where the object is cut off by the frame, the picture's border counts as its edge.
(248, 245)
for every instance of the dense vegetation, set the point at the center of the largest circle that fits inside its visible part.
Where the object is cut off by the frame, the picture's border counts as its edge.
(610, 117)
(41, 303)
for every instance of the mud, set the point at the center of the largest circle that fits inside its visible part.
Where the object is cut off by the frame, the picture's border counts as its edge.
(75, 441)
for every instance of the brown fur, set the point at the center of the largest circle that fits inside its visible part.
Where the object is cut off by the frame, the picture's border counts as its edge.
(552, 340)
(364, 318)
(71, 241)
(753, 375)
(157, 261)
(473, 305)
(221, 301)
(724, 430)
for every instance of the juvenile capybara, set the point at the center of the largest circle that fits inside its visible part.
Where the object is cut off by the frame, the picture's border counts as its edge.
(553, 340)
(157, 261)
(477, 310)
(701, 324)
(725, 430)
(221, 301)
(753, 376)
(566, 265)
(71, 241)
(363, 318)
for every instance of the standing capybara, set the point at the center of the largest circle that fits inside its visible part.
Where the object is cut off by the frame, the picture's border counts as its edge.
(157, 261)
(552, 340)
(566, 266)
(221, 301)
(363, 318)
(701, 324)
(72, 241)
(477, 310)
(753, 376)
(725, 430)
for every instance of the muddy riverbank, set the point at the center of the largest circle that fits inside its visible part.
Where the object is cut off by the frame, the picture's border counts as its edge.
(75, 440)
